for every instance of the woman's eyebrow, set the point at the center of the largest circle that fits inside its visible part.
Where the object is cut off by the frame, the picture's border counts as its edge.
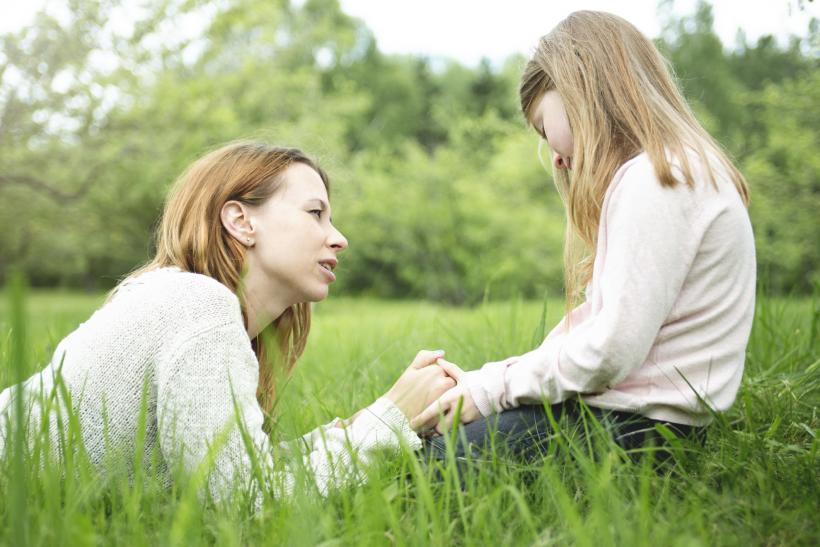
(322, 203)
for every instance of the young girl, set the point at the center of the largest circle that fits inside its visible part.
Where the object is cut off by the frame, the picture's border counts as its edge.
(245, 244)
(658, 213)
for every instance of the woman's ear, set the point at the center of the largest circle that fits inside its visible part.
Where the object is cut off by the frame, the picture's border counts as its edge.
(236, 219)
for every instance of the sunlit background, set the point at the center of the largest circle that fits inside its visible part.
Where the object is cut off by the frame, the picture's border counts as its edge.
(411, 107)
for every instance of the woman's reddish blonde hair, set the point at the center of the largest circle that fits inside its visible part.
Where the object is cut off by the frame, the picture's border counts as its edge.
(191, 237)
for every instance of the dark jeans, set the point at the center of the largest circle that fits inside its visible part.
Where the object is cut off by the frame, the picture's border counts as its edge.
(527, 433)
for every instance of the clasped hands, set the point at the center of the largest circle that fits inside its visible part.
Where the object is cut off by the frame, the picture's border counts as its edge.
(429, 391)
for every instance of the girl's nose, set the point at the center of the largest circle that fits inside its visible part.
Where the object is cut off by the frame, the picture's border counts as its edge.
(561, 163)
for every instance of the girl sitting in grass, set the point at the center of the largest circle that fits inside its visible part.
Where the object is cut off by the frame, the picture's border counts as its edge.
(245, 244)
(659, 237)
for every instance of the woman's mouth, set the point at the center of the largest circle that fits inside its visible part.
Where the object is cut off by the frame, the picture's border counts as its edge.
(327, 266)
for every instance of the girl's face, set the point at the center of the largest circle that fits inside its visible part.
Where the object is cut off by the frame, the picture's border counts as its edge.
(550, 120)
(295, 243)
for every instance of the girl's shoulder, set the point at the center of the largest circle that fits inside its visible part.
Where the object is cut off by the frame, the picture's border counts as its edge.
(638, 176)
(636, 191)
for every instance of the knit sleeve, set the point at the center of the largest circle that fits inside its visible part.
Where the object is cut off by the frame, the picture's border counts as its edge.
(211, 424)
(336, 454)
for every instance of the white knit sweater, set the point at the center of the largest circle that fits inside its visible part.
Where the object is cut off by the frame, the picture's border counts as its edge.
(180, 338)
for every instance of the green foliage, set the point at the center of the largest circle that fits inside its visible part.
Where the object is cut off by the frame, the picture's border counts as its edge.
(472, 212)
(785, 179)
(760, 101)
(754, 483)
(436, 179)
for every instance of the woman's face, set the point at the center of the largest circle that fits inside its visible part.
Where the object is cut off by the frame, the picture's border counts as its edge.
(550, 120)
(295, 243)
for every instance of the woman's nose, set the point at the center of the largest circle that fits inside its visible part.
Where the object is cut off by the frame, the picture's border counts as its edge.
(337, 240)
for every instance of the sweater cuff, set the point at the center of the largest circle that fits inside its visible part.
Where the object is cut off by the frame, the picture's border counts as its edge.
(488, 388)
(384, 414)
(472, 380)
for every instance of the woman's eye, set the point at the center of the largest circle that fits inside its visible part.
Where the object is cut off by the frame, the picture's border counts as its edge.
(317, 212)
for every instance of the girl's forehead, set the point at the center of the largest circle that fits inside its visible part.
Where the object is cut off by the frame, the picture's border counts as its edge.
(532, 114)
(537, 109)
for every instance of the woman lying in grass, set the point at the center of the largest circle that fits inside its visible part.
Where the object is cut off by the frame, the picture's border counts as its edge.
(667, 255)
(245, 244)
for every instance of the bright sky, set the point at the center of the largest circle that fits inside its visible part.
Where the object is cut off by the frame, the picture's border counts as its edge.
(468, 30)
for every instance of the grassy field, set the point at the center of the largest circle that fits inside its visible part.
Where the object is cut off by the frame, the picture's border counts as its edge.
(756, 482)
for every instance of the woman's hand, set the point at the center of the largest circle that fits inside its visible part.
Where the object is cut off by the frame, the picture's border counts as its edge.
(422, 383)
(441, 413)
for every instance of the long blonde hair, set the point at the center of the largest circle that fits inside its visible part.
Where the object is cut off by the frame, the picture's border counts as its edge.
(191, 237)
(621, 99)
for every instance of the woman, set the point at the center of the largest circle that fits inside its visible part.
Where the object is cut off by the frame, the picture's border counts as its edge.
(245, 244)
(667, 255)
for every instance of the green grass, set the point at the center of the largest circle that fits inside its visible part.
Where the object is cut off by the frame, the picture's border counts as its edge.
(755, 482)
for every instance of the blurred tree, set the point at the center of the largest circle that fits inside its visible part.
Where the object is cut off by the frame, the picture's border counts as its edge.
(784, 174)
(761, 103)
(56, 94)
(435, 176)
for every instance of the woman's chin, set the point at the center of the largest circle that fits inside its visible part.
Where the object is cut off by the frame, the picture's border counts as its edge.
(318, 294)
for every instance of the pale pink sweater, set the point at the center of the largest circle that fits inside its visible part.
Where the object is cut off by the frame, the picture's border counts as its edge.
(669, 308)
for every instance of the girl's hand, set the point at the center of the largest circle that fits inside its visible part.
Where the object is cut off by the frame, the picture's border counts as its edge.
(441, 413)
(422, 383)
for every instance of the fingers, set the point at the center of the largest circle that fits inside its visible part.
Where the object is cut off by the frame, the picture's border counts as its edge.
(452, 370)
(426, 357)
(439, 385)
(446, 423)
(443, 406)
(435, 380)
(439, 388)
(429, 415)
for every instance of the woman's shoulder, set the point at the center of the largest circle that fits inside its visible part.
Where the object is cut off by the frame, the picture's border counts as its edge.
(185, 297)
